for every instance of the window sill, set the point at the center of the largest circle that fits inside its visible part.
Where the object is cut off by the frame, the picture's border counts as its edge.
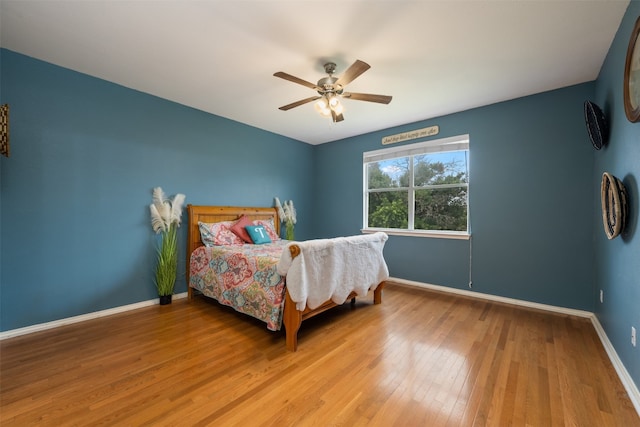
(459, 235)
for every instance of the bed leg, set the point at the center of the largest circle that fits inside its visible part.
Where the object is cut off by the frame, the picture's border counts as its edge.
(377, 294)
(292, 338)
(353, 301)
(189, 293)
(292, 319)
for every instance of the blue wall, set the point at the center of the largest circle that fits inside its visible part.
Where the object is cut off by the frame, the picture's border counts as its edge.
(530, 201)
(617, 261)
(86, 153)
(85, 156)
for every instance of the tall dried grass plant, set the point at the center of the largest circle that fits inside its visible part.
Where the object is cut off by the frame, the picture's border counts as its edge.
(287, 214)
(166, 215)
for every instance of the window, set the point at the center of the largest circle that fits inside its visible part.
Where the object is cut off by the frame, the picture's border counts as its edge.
(419, 189)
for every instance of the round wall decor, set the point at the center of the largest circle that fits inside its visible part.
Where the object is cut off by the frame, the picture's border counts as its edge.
(597, 124)
(614, 205)
(632, 76)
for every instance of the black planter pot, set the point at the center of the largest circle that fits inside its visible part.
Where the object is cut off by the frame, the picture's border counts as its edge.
(165, 299)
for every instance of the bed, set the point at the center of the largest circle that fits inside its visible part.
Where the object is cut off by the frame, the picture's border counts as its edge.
(282, 309)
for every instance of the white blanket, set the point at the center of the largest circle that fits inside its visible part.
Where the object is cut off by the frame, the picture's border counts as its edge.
(333, 268)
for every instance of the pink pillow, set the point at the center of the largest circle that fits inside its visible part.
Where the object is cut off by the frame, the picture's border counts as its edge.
(218, 234)
(238, 228)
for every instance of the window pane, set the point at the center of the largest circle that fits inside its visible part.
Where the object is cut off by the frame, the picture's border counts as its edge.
(441, 209)
(440, 168)
(388, 209)
(388, 173)
(433, 176)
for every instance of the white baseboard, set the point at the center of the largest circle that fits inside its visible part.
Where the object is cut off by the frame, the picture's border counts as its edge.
(627, 381)
(81, 318)
(473, 294)
(623, 374)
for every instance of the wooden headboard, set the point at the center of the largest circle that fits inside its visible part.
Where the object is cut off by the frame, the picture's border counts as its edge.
(210, 214)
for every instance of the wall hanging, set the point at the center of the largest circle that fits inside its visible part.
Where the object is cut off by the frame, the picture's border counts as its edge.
(4, 130)
(631, 86)
(414, 134)
(615, 209)
(597, 124)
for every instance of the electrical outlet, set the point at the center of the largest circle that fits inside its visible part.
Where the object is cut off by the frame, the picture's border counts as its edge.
(601, 296)
(633, 336)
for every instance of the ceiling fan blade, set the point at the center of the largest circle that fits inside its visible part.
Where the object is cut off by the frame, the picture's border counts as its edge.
(382, 99)
(298, 103)
(296, 80)
(336, 117)
(352, 72)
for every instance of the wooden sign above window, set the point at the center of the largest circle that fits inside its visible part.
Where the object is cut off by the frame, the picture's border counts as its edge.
(414, 134)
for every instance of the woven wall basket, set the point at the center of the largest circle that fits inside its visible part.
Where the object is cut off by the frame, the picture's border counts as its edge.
(615, 209)
(597, 125)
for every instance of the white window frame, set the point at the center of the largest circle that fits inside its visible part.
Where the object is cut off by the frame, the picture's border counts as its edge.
(454, 143)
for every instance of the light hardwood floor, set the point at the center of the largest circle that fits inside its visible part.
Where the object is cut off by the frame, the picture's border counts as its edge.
(421, 358)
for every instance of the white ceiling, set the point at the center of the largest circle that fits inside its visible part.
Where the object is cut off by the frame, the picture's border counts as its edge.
(433, 57)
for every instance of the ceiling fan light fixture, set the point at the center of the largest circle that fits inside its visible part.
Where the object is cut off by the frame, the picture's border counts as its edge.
(328, 103)
(322, 104)
(322, 107)
(338, 108)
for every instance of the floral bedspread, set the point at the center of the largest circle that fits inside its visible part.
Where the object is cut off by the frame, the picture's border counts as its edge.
(243, 277)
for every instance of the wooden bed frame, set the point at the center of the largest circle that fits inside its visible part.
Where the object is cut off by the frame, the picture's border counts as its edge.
(292, 317)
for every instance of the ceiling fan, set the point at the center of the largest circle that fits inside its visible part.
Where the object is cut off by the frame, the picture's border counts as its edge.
(331, 89)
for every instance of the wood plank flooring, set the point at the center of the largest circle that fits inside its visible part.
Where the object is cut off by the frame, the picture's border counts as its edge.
(421, 358)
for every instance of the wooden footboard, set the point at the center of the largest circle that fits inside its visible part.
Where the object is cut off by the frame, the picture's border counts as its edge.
(292, 317)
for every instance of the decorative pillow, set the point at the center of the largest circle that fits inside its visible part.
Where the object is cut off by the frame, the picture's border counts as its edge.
(271, 229)
(218, 234)
(238, 228)
(258, 234)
